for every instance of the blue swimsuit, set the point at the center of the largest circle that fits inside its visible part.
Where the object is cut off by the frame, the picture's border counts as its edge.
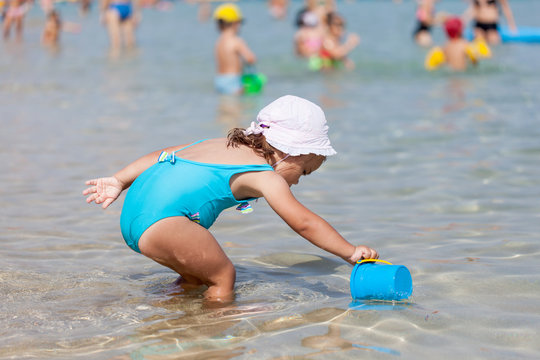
(123, 9)
(179, 187)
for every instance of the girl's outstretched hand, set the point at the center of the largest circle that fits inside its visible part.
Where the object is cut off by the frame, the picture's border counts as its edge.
(103, 190)
(363, 252)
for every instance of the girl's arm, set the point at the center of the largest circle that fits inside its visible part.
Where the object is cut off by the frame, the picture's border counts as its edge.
(469, 13)
(508, 14)
(106, 190)
(104, 5)
(340, 51)
(309, 225)
(245, 52)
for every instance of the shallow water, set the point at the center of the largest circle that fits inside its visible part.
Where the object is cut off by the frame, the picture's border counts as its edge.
(439, 172)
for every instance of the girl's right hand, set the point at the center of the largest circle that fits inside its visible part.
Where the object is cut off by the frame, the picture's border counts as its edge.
(103, 190)
(362, 252)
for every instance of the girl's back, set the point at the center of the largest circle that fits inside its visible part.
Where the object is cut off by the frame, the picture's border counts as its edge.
(455, 52)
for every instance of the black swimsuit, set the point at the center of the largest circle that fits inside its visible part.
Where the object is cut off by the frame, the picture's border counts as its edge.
(488, 2)
(486, 26)
(421, 27)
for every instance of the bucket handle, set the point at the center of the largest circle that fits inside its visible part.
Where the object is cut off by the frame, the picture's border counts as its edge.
(374, 260)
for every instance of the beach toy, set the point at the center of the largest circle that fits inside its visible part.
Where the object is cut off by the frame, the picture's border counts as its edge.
(317, 63)
(523, 34)
(475, 50)
(481, 48)
(434, 59)
(253, 82)
(380, 280)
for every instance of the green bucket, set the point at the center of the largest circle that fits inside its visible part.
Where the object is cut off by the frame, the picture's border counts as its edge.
(253, 83)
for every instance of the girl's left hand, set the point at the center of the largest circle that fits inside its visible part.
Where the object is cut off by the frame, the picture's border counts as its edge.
(104, 190)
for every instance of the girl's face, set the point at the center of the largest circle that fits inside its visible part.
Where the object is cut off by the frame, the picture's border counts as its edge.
(295, 166)
(337, 27)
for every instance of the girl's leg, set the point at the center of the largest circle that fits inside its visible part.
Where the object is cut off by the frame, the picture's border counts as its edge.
(423, 38)
(7, 26)
(190, 250)
(128, 28)
(19, 27)
(480, 34)
(112, 19)
(493, 37)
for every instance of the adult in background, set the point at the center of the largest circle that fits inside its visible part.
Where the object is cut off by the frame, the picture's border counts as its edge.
(485, 15)
(121, 19)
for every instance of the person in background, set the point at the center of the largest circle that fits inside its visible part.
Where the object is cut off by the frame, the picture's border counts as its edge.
(456, 49)
(426, 19)
(334, 52)
(121, 19)
(309, 36)
(321, 8)
(14, 17)
(51, 31)
(485, 15)
(231, 51)
(84, 8)
(457, 53)
(278, 8)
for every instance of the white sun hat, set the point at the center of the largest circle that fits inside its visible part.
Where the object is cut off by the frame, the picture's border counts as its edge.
(294, 126)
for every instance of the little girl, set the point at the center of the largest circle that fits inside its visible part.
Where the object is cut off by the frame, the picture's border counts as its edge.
(333, 51)
(177, 193)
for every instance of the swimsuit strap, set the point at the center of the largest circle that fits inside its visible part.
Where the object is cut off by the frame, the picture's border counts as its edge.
(185, 147)
(165, 156)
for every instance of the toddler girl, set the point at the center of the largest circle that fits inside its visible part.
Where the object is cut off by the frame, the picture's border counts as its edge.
(177, 193)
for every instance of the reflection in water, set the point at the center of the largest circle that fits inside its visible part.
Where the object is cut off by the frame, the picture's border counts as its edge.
(238, 111)
(229, 111)
(332, 342)
(218, 333)
(455, 95)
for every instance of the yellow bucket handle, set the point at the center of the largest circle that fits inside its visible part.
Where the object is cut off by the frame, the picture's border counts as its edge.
(374, 260)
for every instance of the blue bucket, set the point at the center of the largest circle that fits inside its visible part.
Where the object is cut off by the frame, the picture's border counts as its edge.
(380, 280)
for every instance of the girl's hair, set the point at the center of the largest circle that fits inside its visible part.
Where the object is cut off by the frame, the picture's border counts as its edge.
(257, 142)
(222, 24)
(333, 17)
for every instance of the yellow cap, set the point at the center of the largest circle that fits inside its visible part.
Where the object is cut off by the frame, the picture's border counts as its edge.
(228, 12)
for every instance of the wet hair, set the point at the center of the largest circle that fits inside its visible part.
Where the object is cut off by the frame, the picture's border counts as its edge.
(222, 24)
(257, 142)
(55, 16)
(332, 17)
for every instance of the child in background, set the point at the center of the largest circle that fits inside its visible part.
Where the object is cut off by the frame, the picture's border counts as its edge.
(321, 8)
(425, 16)
(230, 50)
(333, 52)
(308, 38)
(177, 193)
(121, 18)
(14, 16)
(51, 32)
(457, 53)
(278, 8)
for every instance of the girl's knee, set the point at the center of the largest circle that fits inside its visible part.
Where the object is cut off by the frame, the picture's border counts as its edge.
(223, 278)
(222, 288)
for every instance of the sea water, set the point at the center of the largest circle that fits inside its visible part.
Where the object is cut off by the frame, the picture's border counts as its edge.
(438, 171)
